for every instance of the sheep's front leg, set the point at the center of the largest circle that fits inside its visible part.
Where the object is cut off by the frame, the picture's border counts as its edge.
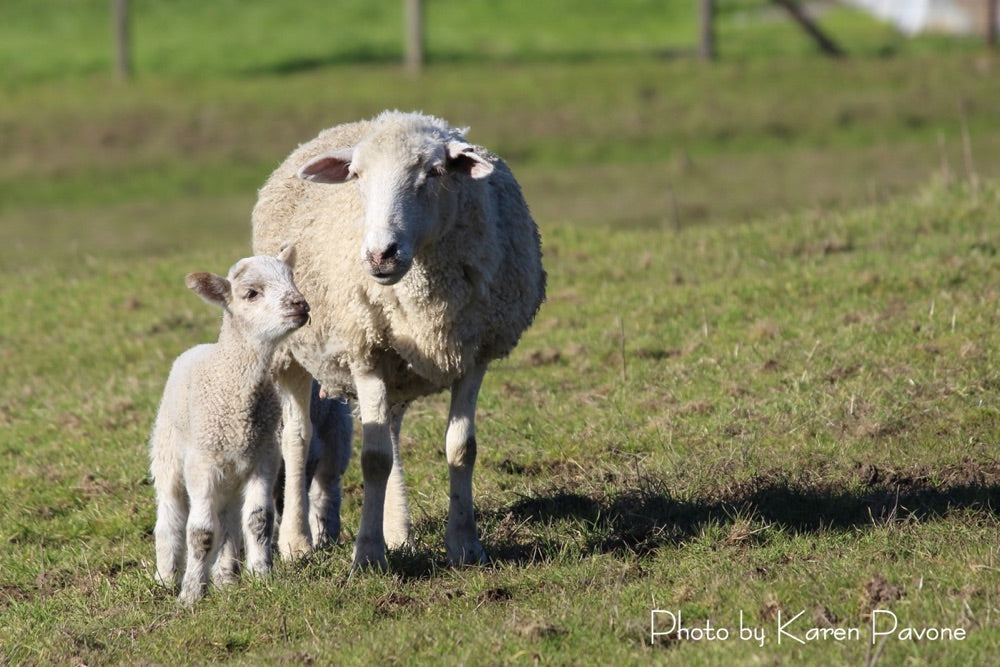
(258, 516)
(376, 463)
(204, 537)
(293, 535)
(396, 523)
(227, 565)
(461, 537)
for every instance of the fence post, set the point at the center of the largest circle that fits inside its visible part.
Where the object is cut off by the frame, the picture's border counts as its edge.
(414, 16)
(122, 39)
(706, 24)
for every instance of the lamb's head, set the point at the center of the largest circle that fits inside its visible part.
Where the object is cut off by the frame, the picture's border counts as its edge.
(409, 170)
(259, 296)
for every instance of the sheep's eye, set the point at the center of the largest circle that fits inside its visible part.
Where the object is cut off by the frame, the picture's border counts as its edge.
(251, 294)
(436, 171)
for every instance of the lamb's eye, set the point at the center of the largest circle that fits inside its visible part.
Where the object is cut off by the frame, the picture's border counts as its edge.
(251, 294)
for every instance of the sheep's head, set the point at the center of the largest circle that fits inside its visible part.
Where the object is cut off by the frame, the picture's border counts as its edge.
(259, 296)
(409, 171)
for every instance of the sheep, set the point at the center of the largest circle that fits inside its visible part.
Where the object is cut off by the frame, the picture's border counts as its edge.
(329, 454)
(423, 263)
(213, 448)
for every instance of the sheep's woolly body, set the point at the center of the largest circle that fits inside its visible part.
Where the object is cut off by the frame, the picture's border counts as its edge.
(466, 300)
(423, 264)
(221, 398)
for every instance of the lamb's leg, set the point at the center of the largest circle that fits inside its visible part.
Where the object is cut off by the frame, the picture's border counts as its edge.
(396, 522)
(227, 565)
(171, 519)
(258, 516)
(376, 463)
(203, 540)
(461, 539)
(293, 534)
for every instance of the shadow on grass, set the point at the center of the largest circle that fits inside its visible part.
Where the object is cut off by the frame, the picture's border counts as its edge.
(376, 56)
(640, 519)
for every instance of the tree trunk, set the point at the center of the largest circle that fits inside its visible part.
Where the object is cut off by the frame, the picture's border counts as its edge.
(413, 11)
(827, 45)
(706, 22)
(122, 39)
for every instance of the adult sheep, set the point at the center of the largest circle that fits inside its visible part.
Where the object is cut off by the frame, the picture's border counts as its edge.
(422, 263)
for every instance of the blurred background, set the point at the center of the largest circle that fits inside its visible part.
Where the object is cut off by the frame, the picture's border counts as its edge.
(145, 126)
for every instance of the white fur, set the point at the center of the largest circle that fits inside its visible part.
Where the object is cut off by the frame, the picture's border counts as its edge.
(423, 263)
(213, 450)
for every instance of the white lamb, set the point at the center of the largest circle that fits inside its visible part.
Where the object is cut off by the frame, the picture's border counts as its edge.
(423, 264)
(213, 451)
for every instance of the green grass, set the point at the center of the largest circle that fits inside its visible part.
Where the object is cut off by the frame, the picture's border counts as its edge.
(765, 379)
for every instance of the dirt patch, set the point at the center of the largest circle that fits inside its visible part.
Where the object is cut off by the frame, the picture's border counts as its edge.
(538, 629)
(391, 604)
(879, 592)
(494, 595)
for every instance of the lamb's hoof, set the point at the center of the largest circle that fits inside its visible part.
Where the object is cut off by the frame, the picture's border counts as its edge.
(369, 555)
(260, 568)
(225, 578)
(294, 547)
(191, 594)
(466, 552)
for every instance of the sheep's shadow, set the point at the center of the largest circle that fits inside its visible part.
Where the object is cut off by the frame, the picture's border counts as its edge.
(645, 517)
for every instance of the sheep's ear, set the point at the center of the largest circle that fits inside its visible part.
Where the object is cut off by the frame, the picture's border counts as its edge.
(462, 157)
(332, 167)
(213, 289)
(287, 255)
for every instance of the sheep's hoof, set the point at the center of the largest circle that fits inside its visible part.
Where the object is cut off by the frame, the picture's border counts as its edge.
(294, 547)
(369, 556)
(469, 552)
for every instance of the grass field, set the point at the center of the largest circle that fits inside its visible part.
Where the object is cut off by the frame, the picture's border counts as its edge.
(765, 381)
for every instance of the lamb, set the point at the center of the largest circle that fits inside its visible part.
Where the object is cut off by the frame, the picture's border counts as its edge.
(213, 449)
(423, 264)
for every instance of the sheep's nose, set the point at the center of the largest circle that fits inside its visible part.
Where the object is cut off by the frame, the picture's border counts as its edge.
(298, 304)
(377, 258)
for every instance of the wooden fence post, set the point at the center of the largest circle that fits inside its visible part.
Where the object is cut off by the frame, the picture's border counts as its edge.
(122, 38)
(706, 25)
(413, 12)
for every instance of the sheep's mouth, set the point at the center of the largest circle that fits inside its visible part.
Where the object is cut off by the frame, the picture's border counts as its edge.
(384, 276)
(300, 319)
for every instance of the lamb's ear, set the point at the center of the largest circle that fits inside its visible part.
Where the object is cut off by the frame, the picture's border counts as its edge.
(463, 157)
(287, 255)
(332, 167)
(214, 289)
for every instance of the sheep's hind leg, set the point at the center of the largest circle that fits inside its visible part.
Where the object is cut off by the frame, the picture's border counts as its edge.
(461, 537)
(171, 519)
(293, 533)
(329, 453)
(376, 464)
